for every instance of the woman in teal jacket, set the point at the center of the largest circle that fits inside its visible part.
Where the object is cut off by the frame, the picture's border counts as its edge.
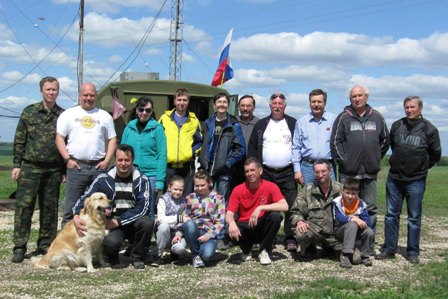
(147, 137)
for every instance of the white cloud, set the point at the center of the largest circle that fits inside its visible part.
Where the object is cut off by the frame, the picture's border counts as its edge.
(115, 59)
(386, 87)
(253, 77)
(188, 58)
(121, 31)
(348, 49)
(15, 102)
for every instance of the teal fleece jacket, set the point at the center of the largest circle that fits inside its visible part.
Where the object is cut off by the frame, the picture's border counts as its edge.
(149, 147)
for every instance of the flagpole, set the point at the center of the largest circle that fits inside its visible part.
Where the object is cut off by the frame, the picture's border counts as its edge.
(222, 78)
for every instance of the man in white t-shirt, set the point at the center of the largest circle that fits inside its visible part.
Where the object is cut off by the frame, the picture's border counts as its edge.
(270, 142)
(86, 139)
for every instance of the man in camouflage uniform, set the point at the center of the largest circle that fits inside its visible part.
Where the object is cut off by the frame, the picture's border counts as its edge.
(312, 214)
(38, 169)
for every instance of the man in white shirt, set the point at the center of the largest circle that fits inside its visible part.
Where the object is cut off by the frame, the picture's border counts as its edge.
(270, 142)
(83, 134)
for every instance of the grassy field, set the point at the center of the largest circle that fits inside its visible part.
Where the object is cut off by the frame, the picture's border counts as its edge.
(228, 278)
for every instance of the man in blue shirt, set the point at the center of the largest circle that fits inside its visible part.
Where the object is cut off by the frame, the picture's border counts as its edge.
(311, 140)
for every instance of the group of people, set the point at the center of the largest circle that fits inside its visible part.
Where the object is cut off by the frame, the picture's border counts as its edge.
(246, 185)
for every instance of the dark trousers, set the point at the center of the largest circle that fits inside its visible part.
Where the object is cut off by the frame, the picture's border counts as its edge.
(284, 179)
(138, 233)
(263, 233)
(186, 171)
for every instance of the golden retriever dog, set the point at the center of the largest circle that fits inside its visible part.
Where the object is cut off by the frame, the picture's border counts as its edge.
(71, 251)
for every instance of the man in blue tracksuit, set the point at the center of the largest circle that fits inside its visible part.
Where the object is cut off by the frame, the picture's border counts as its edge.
(130, 194)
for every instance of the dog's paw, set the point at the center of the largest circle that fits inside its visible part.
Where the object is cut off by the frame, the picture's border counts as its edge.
(81, 269)
(92, 270)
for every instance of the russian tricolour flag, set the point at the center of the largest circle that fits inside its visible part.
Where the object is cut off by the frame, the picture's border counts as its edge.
(224, 71)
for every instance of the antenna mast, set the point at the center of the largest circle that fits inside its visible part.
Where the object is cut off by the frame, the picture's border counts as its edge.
(81, 45)
(176, 39)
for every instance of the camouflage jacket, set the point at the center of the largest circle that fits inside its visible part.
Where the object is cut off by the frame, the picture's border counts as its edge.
(34, 141)
(311, 206)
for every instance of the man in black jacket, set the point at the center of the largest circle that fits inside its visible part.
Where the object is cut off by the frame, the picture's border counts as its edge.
(358, 142)
(270, 142)
(416, 147)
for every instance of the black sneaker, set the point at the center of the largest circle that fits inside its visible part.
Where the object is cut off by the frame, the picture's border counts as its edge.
(291, 246)
(385, 256)
(17, 257)
(366, 261)
(157, 261)
(174, 257)
(413, 259)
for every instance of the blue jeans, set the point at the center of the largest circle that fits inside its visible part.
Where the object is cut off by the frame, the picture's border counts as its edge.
(78, 181)
(205, 250)
(396, 192)
(221, 184)
(152, 208)
(307, 170)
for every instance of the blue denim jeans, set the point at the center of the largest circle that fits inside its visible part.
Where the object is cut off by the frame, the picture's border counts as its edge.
(396, 193)
(221, 184)
(78, 181)
(307, 170)
(205, 250)
(152, 208)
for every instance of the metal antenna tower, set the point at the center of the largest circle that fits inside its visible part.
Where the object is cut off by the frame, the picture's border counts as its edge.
(176, 39)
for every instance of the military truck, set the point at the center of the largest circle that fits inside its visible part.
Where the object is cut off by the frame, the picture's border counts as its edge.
(162, 93)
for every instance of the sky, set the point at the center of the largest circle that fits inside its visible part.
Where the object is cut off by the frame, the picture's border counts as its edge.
(395, 48)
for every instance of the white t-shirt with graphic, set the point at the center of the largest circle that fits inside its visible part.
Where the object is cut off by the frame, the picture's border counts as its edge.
(87, 132)
(277, 141)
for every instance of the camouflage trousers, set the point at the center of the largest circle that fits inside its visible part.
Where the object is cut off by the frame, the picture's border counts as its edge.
(315, 236)
(43, 184)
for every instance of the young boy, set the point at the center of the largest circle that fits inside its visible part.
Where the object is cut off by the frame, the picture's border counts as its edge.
(352, 223)
(169, 209)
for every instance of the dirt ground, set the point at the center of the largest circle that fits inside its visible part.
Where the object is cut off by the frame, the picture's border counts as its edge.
(288, 272)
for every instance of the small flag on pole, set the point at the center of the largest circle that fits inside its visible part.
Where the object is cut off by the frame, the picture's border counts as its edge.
(117, 108)
(224, 71)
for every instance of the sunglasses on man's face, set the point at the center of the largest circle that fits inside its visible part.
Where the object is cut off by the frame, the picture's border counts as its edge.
(146, 110)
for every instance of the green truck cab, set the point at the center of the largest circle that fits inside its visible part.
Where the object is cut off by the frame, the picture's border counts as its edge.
(162, 93)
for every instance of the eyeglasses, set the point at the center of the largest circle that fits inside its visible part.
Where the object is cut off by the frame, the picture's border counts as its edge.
(278, 95)
(146, 110)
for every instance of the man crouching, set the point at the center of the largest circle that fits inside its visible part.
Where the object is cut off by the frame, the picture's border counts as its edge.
(132, 208)
(257, 203)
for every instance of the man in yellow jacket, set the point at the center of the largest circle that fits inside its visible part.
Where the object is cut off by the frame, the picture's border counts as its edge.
(184, 139)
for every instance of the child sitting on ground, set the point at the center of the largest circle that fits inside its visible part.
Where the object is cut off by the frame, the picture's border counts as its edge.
(203, 218)
(352, 223)
(169, 208)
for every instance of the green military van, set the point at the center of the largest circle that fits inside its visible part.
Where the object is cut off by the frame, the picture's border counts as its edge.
(162, 93)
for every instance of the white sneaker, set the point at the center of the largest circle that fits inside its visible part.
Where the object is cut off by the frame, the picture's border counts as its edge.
(264, 257)
(197, 262)
(246, 257)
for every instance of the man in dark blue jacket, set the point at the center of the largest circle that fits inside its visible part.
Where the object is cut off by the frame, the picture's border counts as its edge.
(416, 147)
(223, 145)
(129, 192)
(358, 142)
